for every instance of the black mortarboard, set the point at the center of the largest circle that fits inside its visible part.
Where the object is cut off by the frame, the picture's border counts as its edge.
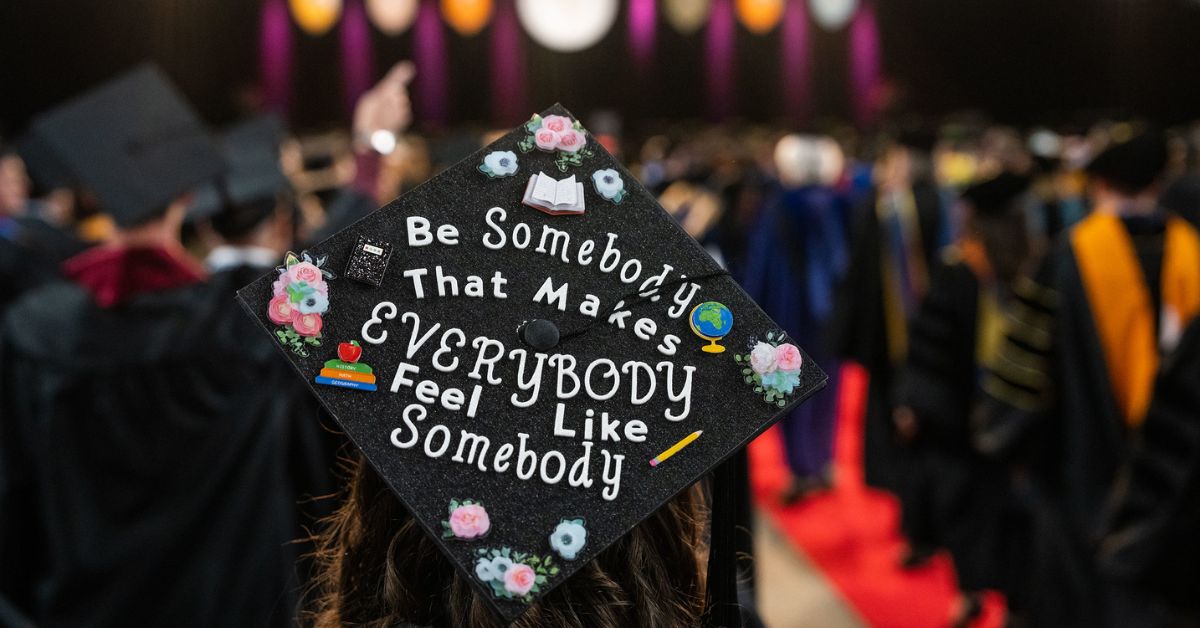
(1134, 164)
(511, 457)
(134, 142)
(996, 195)
(251, 151)
(45, 167)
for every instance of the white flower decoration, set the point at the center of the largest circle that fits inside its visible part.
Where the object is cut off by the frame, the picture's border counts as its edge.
(500, 565)
(609, 184)
(499, 163)
(315, 303)
(483, 569)
(568, 538)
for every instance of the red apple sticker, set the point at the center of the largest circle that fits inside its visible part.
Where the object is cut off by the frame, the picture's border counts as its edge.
(349, 351)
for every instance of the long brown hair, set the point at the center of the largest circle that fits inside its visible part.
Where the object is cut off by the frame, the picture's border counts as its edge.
(376, 567)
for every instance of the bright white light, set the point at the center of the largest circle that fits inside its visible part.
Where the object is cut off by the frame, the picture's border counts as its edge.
(383, 141)
(392, 17)
(567, 25)
(832, 15)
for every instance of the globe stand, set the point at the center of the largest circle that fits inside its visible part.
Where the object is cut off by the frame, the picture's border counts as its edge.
(712, 347)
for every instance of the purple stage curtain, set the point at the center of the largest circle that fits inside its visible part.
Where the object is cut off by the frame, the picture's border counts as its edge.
(275, 56)
(508, 66)
(643, 22)
(795, 66)
(358, 56)
(866, 66)
(432, 84)
(719, 60)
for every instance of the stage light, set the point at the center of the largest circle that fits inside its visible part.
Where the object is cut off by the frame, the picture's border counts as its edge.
(467, 17)
(567, 25)
(316, 17)
(686, 16)
(392, 17)
(759, 16)
(832, 15)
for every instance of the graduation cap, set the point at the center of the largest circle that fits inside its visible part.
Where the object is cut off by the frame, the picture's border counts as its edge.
(996, 195)
(531, 386)
(251, 152)
(45, 167)
(1134, 164)
(134, 142)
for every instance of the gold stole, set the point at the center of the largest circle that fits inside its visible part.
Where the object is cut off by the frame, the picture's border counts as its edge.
(895, 318)
(1120, 301)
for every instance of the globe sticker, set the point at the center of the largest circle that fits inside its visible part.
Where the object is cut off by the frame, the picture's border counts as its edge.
(711, 321)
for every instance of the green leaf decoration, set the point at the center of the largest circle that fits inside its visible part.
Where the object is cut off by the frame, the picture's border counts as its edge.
(482, 551)
(291, 259)
(749, 380)
(781, 403)
(737, 358)
(534, 123)
(554, 571)
(540, 579)
(526, 144)
(758, 389)
(447, 534)
(747, 372)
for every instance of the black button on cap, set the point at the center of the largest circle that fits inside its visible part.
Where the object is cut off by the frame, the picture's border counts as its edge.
(540, 334)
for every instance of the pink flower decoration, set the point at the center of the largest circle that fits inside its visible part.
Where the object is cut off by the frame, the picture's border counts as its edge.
(546, 139)
(571, 141)
(280, 310)
(787, 357)
(306, 324)
(469, 521)
(305, 271)
(280, 286)
(519, 579)
(558, 124)
(320, 286)
(762, 358)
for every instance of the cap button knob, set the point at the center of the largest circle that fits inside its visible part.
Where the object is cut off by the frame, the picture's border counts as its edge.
(540, 334)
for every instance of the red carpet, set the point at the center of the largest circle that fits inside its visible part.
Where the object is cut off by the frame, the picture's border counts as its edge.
(851, 533)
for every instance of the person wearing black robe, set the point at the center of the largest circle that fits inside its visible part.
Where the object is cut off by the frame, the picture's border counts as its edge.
(896, 235)
(1150, 541)
(1069, 388)
(146, 442)
(953, 334)
(30, 248)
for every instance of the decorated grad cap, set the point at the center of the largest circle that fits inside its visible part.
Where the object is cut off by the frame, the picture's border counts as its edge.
(1132, 165)
(545, 358)
(251, 152)
(996, 196)
(134, 142)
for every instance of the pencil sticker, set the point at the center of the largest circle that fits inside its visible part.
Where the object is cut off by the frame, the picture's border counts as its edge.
(687, 440)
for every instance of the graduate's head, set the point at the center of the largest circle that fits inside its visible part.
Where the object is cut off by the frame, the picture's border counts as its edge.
(14, 183)
(378, 567)
(1132, 166)
(995, 217)
(908, 158)
(136, 146)
(252, 203)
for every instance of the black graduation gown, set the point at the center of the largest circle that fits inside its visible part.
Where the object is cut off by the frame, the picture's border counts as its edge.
(30, 253)
(960, 495)
(147, 461)
(1150, 537)
(1049, 408)
(860, 333)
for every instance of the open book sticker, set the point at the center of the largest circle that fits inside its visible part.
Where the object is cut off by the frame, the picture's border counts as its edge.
(553, 196)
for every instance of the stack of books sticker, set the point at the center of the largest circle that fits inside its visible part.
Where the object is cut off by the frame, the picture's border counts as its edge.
(354, 375)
